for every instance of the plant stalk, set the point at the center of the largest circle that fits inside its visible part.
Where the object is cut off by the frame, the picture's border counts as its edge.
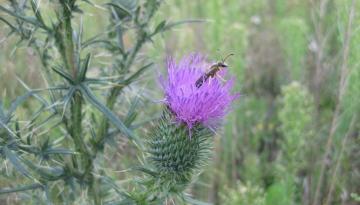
(86, 160)
(341, 90)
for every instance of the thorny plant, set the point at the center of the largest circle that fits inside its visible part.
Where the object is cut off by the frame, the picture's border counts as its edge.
(56, 149)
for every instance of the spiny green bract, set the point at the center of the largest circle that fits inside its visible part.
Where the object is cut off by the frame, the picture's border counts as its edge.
(176, 153)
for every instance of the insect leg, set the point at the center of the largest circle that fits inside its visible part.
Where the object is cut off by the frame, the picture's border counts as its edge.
(221, 78)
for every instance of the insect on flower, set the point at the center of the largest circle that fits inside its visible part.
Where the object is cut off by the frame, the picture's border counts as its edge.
(213, 70)
(206, 104)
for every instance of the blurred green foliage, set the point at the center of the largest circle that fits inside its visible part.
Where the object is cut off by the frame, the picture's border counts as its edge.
(289, 59)
(295, 116)
(244, 194)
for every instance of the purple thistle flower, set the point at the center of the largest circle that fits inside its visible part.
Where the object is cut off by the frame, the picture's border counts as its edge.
(207, 104)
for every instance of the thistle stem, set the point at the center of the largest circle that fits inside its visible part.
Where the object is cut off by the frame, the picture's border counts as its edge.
(68, 52)
(69, 47)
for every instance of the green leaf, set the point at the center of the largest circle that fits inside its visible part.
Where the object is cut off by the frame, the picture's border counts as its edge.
(15, 161)
(63, 74)
(47, 195)
(77, 38)
(46, 172)
(21, 188)
(159, 27)
(29, 148)
(106, 111)
(30, 20)
(2, 113)
(121, 8)
(58, 150)
(110, 181)
(129, 4)
(67, 98)
(145, 170)
(35, 91)
(84, 68)
(178, 23)
(9, 131)
(137, 74)
(94, 41)
(9, 24)
(35, 7)
(88, 2)
(131, 115)
(18, 101)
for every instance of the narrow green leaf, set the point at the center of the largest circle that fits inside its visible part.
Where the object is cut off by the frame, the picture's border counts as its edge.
(15, 161)
(106, 111)
(85, 67)
(47, 195)
(159, 27)
(178, 23)
(30, 20)
(89, 2)
(9, 24)
(68, 98)
(77, 38)
(94, 41)
(58, 150)
(126, 201)
(63, 74)
(2, 112)
(35, 7)
(131, 115)
(119, 31)
(129, 4)
(137, 74)
(21, 188)
(112, 183)
(18, 101)
(46, 144)
(17, 129)
(46, 172)
(120, 7)
(9, 131)
(30, 90)
(145, 170)
(29, 149)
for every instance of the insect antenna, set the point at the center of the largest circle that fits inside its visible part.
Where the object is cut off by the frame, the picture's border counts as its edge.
(226, 57)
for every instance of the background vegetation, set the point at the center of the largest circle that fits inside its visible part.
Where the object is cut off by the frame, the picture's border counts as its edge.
(293, 138)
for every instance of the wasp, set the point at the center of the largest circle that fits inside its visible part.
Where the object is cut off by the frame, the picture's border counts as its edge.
(212, 71)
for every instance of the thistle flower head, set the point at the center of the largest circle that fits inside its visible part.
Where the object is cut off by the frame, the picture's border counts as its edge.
(206, 104)
(198, 99)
